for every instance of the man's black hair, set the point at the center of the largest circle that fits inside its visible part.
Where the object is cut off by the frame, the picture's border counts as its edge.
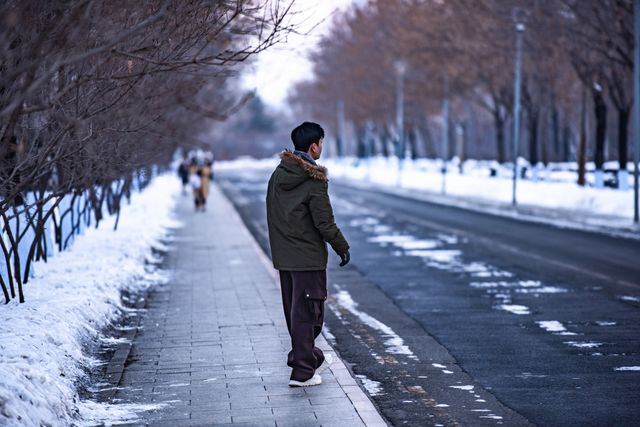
(305, 135)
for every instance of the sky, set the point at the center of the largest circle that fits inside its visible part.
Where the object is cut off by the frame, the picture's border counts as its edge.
(280, 67)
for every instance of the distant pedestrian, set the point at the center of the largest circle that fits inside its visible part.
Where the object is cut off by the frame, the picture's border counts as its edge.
(206, 175)
(300, 219)
(183, 173)
(195, 181)
(200, 176)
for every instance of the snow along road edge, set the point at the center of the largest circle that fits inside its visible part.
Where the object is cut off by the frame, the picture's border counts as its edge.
(526, 213)
(69, 301)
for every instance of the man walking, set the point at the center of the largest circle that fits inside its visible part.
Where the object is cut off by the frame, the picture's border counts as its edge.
(301, 221)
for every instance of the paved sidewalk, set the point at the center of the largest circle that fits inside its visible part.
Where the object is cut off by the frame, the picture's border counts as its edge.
(212, 344)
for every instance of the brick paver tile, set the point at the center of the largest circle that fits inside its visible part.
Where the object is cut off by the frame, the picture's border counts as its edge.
(212, 343)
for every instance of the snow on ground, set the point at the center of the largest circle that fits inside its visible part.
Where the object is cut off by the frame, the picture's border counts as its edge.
(555, 188)
(373, 387)
(393, 342)
(68, 302)
(554, 327)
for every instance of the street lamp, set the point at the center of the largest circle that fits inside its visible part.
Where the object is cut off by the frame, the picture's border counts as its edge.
(519, 18)
(636, 109)
(401, 70)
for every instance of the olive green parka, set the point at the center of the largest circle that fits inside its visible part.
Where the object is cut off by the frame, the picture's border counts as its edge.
(300, 216)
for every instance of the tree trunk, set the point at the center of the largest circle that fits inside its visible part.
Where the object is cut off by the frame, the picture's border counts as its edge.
(623, 136)
(600, 109)
(7, 258)
(4, 290)
(13, 243)
(464, 142)
(533, 137)
(623, 139)
(582, 146)
(385, 141)
(413, 143)
(498, 122)
(429, 145)
(566, 143)
(555, 129)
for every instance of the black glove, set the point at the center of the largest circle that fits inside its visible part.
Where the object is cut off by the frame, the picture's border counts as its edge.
(345, 257)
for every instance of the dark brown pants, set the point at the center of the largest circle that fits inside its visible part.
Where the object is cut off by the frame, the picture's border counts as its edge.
(303, 297)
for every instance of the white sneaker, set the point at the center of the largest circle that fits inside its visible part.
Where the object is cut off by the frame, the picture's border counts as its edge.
(328, 360)
(314, 380)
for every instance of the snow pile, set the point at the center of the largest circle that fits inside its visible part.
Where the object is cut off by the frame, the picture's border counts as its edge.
(68, 302)
(554, 189)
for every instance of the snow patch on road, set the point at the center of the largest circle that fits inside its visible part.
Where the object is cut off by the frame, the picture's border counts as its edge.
(69, 300)
(359, 222)
(527, 375)
(605, 323)
(394, 343)
(502, 284)
(418, 244)
(554, 326)
(373, 387)
(390, 238)
(584, 344)
(543, 290)
(514, 308)
(443, 259)
(462, 387)
(628, 368)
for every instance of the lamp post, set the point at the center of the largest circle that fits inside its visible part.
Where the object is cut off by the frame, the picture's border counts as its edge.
(401, 69)
(636, 109)
(519, 17)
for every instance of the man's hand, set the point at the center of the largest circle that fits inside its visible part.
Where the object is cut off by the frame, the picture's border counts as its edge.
(345, 257)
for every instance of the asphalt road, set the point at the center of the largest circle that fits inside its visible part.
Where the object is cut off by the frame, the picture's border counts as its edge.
(453, 317)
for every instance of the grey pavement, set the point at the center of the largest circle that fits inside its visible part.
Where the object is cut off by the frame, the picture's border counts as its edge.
(211, 346)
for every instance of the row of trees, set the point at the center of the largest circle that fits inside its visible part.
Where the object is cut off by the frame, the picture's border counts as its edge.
(577, 77)
(94, 93)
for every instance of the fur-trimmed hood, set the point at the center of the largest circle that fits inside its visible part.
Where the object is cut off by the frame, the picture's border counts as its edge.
(314, 171)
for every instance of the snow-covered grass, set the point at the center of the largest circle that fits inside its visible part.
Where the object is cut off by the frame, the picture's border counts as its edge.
(69, 301)
(555, 190)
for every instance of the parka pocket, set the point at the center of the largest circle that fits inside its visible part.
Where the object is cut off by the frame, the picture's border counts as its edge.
(315, 300)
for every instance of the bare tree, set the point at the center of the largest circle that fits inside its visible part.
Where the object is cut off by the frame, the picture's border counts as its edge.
(95, 94)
